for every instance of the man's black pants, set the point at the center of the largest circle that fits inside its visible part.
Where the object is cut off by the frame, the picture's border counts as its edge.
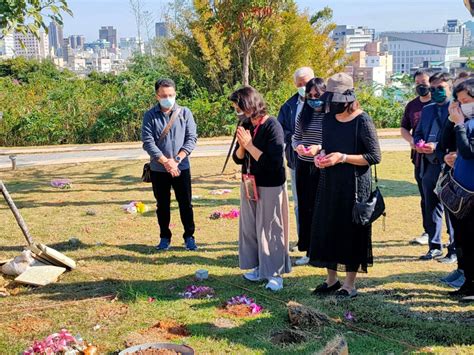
(162, 183)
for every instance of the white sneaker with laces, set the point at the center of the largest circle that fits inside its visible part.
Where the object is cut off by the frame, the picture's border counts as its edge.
(421, 240)
(253, 275)
(275, 284)
(302, 261)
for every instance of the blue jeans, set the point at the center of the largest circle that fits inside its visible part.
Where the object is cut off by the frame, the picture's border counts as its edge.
(295, 197)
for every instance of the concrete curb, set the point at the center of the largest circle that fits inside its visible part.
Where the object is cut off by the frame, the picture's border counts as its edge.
(123, 146)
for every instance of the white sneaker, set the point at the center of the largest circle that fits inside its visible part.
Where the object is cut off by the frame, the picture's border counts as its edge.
(421, 240)
(302, 261)
(275, 283)
(253, 275)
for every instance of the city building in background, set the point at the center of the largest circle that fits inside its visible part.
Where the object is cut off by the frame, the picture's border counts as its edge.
(109, 34)
(7, 46)
(129, 46)
(32, 47)
(456, 26)
(371, 65)
(422, 49)
(161, 30)
(352, 39)
(55, 37)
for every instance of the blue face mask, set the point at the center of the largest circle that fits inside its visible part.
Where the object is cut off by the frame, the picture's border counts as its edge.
(315, 103)
(168, 102)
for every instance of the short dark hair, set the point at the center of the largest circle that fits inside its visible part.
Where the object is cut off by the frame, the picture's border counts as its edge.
(166, 83)
(307, 111)
(250, 100)
(441, 76)
(467, 85)
(420, 72)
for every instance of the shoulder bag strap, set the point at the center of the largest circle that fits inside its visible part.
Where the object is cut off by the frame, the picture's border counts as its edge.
(166, 130)
(355, 167)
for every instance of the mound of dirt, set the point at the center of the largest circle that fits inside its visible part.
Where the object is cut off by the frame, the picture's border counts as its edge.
(238, 310)
(288, 336)
(305, 317)
(161, 331)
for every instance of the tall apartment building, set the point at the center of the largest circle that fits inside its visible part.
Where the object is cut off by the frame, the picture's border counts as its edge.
(33, 47)
(161, 30)
(352, 39)
(7, 46)
(109, 34)
(416, 49)
(55, 37)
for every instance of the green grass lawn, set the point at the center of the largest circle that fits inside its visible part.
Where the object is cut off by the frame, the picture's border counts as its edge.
(400, 298)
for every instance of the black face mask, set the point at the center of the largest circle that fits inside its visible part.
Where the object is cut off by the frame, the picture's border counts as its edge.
(337, 107)
(422, 90)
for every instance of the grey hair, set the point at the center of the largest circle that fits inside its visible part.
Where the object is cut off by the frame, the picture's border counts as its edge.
(303, 71)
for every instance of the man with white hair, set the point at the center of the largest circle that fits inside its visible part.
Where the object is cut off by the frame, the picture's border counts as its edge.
(289, 111)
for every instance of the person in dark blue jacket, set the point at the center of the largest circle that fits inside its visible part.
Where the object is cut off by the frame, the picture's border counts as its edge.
(289, 111)
(427, 135)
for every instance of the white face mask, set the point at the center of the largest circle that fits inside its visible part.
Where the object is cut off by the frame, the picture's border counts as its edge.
(168, 102)
(302, 91)
(468, 109)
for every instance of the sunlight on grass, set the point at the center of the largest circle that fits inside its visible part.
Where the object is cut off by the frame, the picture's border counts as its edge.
(400, 297)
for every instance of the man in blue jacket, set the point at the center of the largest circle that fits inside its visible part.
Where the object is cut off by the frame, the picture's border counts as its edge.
(427, 135)
(169, 160)
(287, 118)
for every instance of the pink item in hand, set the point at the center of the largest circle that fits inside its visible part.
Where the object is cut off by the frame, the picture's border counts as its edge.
(421, 143)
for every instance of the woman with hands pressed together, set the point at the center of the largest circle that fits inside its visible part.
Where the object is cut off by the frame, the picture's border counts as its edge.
(351, 145)
(263, 224)
(307, 142)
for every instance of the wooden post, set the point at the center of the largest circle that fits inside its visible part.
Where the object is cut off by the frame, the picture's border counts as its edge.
(16, 213)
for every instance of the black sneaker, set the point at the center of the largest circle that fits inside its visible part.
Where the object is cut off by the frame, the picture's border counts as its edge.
(464, 290)
(324, 289)
(432, 254)
(343, 293)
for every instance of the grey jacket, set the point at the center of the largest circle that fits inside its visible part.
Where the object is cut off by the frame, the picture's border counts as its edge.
(182, 136)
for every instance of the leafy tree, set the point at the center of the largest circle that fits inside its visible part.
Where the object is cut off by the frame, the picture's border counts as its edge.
(29, 15)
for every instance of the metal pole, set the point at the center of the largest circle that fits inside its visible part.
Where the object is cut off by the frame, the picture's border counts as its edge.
(16, 213)
(231, 147)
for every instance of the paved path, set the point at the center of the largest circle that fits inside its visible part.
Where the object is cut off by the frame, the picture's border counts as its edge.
(132, 151)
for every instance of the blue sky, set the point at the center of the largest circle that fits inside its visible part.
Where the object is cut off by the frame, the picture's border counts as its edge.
(383, 15)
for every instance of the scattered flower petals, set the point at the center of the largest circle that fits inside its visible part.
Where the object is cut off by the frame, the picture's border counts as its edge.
(135, 207)
(349, 316)
(61, 342)
(151, 299)
(220, 192)
(232, 214)
(194, 291)
(244, 300)
(61, 183)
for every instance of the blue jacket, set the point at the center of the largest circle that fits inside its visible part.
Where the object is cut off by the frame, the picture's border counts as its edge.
(182, 136)
(429, 114)
(287, 119)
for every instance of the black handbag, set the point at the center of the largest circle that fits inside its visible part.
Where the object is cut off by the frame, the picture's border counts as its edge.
(146, 175)
(458, 200)
(367, 212)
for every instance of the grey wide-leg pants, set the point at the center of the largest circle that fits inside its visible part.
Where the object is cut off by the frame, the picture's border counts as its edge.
(264, 232)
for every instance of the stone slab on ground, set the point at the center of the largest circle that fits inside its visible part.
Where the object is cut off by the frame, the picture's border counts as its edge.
(40, 275)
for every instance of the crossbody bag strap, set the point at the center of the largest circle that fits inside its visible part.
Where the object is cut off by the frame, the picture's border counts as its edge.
(166, 130)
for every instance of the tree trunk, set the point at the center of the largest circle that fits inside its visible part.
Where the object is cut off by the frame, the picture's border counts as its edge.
(246, 65)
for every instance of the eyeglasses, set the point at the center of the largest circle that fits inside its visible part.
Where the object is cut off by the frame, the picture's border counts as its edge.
(439, 88)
